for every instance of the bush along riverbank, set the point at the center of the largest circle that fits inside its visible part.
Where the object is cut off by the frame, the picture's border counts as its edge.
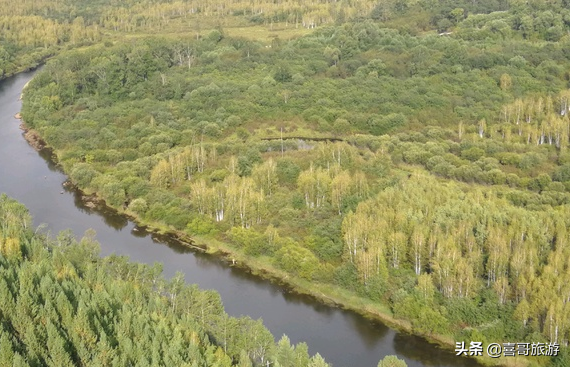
(456, 224)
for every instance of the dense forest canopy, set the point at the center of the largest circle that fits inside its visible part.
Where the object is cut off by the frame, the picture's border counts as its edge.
(62, 305)
(31, 30)
(414, 153)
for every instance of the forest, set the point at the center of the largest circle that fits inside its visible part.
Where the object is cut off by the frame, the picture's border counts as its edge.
(33, 30)
(63, 305)
(412, 154)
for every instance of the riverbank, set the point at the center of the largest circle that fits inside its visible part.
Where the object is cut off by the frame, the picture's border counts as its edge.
(33, 138)
(263, 268)
(332, 296)
(26, 68)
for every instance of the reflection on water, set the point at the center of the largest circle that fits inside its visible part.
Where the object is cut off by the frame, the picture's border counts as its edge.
(139, 232)
(342, 337)
(47, 155)
(372, 332)
(172, 243)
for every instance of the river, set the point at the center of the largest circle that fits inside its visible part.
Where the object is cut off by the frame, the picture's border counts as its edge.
(343, 338)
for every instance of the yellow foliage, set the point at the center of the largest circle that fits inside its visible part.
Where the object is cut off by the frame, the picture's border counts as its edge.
(160, 174)
(66, 271)
(194, 338)
(10, 247)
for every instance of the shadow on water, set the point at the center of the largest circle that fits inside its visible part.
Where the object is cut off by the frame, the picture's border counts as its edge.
(246, 276)
(371, 332)
(47, 155)
(173, 244)
(110, 217)
(139, 232)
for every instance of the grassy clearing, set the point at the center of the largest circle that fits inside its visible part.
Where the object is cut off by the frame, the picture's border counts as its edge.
(235, 28)
(266, 34)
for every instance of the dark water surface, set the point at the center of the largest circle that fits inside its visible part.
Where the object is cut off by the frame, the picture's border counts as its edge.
(343, 338)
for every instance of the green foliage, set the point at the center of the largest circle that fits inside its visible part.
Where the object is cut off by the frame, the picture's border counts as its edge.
(297, 260)
(247, 161)
(223, 137)
(287, 171)
(562, 173)
(472, 154)
(66, 306)
(202, 226)
(391, 361)
(282, 75)
(252, 242)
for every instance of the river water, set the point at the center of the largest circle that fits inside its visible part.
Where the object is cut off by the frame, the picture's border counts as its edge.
(343, 338)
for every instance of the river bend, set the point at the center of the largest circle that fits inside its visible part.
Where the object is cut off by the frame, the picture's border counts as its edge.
(343, 338)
